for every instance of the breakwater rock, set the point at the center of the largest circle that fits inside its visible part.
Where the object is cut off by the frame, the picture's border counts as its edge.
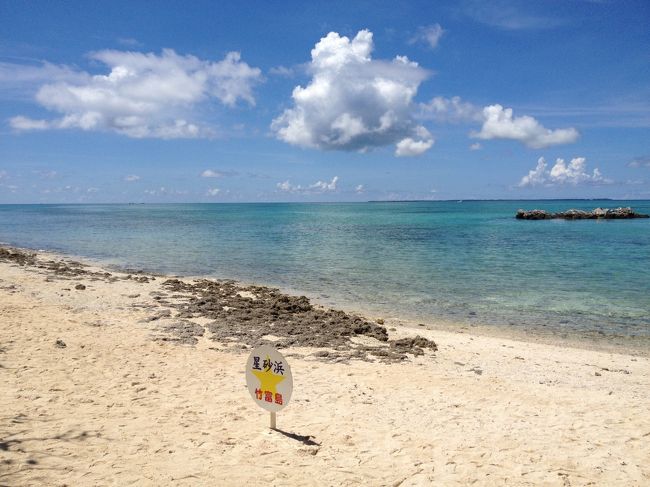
(573, 214)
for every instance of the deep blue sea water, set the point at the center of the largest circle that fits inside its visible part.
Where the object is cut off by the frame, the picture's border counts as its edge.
(465, 262)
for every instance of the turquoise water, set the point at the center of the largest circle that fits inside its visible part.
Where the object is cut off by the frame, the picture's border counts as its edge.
(466, 262)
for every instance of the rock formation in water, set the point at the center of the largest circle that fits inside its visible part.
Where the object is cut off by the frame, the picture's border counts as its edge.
(573, 214)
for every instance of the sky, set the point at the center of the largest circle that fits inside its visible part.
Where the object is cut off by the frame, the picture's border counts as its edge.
(116, 102)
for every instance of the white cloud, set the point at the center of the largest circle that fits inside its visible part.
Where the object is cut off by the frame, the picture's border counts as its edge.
(163, 191)
(359, 189)
(409, 147)
(537, 176)
(499, 123)
(145, 95)
(353, 102)
(282, 71)
(450, 110)
(131, 178)
(510, 15)
(639, 162)
(209, 173)
(129, 42)
(475, 146)
(15, 75)
(287, 187)
(429, 35)
(21, 123)
(561, 173)
(213, 191)
(92, 190)
(46, 174)
(317, 187)
(324, 185)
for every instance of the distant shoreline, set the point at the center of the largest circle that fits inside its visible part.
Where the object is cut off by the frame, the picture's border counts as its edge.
(451, 200)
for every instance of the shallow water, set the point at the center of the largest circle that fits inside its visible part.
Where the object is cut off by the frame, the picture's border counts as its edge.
(465, 262)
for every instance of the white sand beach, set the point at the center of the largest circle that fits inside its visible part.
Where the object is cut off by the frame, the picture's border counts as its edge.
(89, 396)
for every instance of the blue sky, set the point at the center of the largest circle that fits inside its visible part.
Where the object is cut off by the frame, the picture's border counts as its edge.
(337, 101)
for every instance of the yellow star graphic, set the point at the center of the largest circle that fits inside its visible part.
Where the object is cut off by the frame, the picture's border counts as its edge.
(268, 380)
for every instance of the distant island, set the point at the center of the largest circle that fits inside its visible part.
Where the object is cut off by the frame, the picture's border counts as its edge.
(573, 214)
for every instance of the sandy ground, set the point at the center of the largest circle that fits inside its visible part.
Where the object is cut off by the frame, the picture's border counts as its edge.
(112, 405)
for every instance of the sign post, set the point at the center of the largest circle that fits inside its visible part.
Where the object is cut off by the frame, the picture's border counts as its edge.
(269, 380)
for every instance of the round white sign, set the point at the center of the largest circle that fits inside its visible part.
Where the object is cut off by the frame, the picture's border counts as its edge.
(268, 377)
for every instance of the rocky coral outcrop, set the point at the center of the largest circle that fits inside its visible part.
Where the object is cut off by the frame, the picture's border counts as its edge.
(573, 214)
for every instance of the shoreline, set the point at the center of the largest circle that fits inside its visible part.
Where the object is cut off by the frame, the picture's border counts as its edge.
(572, 338)
(108, 377)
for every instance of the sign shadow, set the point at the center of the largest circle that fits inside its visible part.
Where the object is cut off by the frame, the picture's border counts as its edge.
(304, 439)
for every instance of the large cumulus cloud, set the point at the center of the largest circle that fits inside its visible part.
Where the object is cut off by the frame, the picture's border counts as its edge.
(354, 102)
(144, 94)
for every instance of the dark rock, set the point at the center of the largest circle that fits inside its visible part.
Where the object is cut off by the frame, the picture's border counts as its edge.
(162, 314)
(293, 319)
(532, 215)
(414, 345)
(80, 287)
(184, 332)
(17, 256)
(573, 214)
(60, 344)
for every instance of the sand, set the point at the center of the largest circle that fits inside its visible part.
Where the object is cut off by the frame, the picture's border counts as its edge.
(93, 391)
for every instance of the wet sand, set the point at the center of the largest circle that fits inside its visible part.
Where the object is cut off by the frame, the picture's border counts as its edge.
(125, 377)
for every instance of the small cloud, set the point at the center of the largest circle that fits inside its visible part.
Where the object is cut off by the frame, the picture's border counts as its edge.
(92, 190)
(21, 123)
(131, 178)
(509, 15)
(213, 191)
(282, 71)
(450, 110)
(639, 162)
(24, 77)
(561, 173)
(410, 147)
(129, 42)
(46, 174)
(325, 186)
(499, 123)
(287, 187)
(359, 189)
(315, 188)
(209, 173)
(429, 35)
(164, 191)
(475, 146)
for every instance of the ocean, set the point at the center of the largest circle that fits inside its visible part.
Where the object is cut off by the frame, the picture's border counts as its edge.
(465, 262)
